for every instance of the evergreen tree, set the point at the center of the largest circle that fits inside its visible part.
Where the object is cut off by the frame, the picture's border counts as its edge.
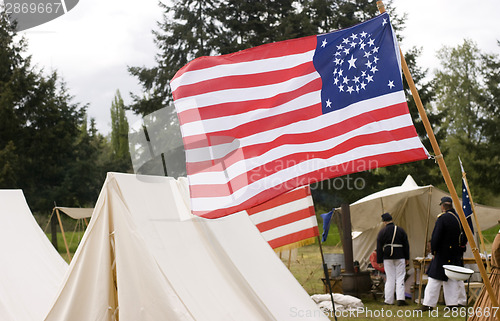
(189, 30)
(15, 80)
(119, 130)
(86, 172)
(38, 125)
(247, 24)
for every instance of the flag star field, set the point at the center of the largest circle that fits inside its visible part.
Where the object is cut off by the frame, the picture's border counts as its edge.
(357, 64)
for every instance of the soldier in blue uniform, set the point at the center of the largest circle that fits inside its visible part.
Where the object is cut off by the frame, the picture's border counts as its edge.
(393, 252)
(447, 246)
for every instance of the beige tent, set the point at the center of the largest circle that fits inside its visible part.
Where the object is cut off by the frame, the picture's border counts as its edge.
(31, 271)
(79, 214)
(412, 207)
(76, 213)
(145, 257)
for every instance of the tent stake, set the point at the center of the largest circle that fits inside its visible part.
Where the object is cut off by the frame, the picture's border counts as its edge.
(446, 175)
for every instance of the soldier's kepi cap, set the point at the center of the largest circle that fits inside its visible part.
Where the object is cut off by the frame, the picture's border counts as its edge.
(446, 199)
(386, 217)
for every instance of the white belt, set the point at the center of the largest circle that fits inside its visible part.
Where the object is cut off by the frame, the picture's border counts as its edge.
(393, 245)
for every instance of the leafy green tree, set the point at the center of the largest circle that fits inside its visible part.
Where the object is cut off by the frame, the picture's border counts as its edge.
(465, 88)
(485, 165)
(459, 89)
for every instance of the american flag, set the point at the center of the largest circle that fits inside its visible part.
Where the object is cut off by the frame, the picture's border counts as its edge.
(287, 220)
(262, 121)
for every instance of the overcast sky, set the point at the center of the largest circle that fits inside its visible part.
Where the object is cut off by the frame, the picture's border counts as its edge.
(92, 45)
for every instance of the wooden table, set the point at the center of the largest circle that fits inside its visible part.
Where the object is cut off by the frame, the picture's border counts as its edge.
(420, 263)
(335, 283)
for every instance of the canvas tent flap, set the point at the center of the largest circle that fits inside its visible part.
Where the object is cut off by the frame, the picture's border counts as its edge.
(409, 205)
(172, 265)
(111, 257)
(76, 212)
(32, 270)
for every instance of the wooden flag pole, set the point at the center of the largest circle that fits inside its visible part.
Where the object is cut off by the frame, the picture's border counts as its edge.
(481, 239)
(446, 175)
(327, 276)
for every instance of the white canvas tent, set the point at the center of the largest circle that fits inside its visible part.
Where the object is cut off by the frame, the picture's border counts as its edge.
(31, 271)
(144, 257)
(410, 205)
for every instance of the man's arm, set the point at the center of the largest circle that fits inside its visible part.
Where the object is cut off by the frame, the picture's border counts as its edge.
(380, 247)
(406, 247)
(437, 234)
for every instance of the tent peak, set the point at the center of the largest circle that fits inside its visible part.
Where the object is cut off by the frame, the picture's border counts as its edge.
(409, 181)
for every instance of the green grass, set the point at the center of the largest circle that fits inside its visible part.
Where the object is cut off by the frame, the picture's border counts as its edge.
(333, 238)
(73, 239)
(307, 269)
(378, 310)
(489, 234)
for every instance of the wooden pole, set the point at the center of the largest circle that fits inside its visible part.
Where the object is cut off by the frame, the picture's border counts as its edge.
(63, 235)
(115, 316)
(446, 175)
(53, 229)
(481, 239)
(327, 277)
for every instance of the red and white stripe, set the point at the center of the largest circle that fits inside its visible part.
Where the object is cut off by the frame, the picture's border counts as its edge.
(287, 218)
(253, 127)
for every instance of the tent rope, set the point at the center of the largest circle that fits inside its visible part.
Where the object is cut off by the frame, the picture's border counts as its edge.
(78, 222)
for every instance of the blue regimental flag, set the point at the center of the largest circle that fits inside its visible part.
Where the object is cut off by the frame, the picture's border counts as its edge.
(326, 225)
(466, 206)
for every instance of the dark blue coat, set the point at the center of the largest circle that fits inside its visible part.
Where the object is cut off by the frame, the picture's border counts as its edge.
(445, 245)
(385, 237)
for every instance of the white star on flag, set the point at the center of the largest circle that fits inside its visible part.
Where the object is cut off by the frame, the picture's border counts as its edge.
(352, 62)
(363, 50)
